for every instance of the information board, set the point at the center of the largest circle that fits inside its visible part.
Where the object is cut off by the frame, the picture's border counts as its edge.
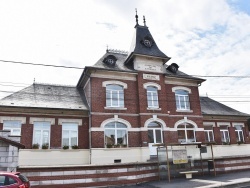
(179, 156)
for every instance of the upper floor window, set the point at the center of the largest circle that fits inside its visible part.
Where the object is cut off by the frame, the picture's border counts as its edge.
(152, 97)
(209, 133)
(41, 133)
(239, 133)
(69, 134)
(13, 126)
(182, 99)
(115, 134)
(186, 133)
(114, 96)
(224, 134)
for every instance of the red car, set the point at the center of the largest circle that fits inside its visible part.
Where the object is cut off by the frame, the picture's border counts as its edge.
(13, 180)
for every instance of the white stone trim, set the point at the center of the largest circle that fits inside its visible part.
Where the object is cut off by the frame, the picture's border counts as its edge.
(61, 121)
(11, 118)
(241, 124)
(115, 119)
(209, 124)
(153, 108)
(115, 108)
(145, 85)
(155, 118)
(33, 119)
(128, 129)
(181, 88)
(115, 82)
(223, 123)
(187, 111)
(112, 75)
(185, 121)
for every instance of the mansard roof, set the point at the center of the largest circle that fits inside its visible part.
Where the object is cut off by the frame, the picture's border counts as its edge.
(212, 107)
(47, 96)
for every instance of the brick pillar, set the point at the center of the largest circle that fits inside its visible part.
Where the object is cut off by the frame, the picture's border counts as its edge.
(144, 139)
(200, 136)
(56, 139)
(217, 136)
(172, 137)
(246, 135)
(232, 134)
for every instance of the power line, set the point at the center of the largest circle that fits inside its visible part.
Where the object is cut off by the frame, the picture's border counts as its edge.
(39, 64)
(58, 66)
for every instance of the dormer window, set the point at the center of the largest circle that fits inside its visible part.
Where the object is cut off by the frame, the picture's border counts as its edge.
(110, 60)
(147, 43)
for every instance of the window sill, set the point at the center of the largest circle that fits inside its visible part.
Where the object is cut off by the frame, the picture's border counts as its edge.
(115, 108)
(153, 108)
(189, 111)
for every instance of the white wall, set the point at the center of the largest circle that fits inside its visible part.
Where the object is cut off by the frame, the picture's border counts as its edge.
(127, 155)
(52, 157)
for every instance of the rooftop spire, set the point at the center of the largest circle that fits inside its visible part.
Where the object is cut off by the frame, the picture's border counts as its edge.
(144, 20)
(136, 17)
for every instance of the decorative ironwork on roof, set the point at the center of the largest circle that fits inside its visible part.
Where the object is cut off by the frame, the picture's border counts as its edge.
(117, 51)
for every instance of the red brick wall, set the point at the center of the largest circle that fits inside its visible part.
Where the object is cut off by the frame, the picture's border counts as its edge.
(232, 134)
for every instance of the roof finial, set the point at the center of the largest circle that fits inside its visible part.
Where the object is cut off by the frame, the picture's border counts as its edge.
(136, 17)
(144, 20)
(34, 81)
(107, 50)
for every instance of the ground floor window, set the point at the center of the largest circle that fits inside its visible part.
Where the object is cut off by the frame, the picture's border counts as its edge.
(209, 133)
(115, 134)
(186, 133)
(41, 134)
(154, 133)
(13, 126)
(239, 133)
(69, 134)
(224, 134)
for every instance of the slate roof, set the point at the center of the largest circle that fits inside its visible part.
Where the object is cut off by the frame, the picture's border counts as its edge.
(212, 107)
(46, 96)
(12, 142)
(121, 66)
(137, 46)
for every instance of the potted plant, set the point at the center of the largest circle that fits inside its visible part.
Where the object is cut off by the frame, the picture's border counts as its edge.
(109, 145)
(65, 147)
(45, 146)
(75, 147)
(239, 142)
(35, 146)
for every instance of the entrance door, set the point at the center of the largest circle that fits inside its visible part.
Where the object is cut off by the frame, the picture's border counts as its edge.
(154, 137)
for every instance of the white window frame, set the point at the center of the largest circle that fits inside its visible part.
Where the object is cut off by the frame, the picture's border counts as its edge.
(238, 132)
(185, 130)
(182, 100)
(11, 126)
(207, 135)
(153, 102)
(71, 128)
(119, 96)
(42, 130)
(115, 130)
(223, 134)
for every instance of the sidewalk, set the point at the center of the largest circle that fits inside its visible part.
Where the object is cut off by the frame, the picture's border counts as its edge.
(233, 179)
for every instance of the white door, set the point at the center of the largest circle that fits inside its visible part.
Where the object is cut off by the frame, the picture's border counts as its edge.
(154, 137)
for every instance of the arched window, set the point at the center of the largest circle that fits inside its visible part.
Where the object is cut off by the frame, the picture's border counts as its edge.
(182, 99)
(114, 95)
(186, 133)
(115, 134)
(152, 97)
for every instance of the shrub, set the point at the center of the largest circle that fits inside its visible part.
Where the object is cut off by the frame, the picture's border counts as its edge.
(45, 146)
(75, 147)
(65, 147)
(35, 146)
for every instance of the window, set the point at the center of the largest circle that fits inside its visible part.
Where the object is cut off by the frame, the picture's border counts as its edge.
(239, 133)
(13, 126)
(186, 133)
(182, 100)
(69, 134)
(152, 97)
(41, 133)
(209, 133)
(115, 134)
(224, 134)
(6, 180)
(154, 132)
(114, 96)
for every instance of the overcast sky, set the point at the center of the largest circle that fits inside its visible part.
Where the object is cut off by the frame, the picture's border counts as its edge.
(204, 37)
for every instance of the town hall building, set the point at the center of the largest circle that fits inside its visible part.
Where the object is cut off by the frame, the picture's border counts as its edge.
(120, 109)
